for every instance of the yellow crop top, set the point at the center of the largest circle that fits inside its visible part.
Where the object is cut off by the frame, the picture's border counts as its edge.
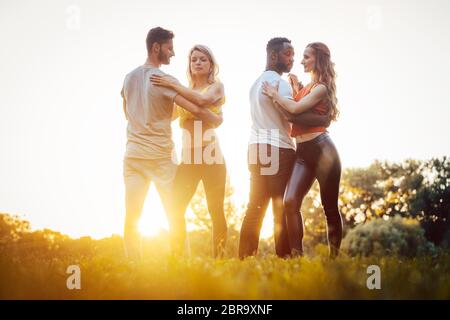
(185, 115)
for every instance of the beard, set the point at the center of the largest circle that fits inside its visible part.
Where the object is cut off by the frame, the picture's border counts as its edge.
(163, 58)
(283, 67)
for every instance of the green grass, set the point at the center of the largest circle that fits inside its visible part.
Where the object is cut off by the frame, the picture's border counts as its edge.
(108, 275)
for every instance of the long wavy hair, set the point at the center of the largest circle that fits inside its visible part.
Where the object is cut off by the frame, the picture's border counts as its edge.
(324, 70)
(213, 75)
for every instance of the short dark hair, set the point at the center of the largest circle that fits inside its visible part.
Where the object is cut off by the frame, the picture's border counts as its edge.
(276, 44)
(157, 35)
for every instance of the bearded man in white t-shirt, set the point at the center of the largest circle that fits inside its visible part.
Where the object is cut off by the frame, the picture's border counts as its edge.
(149, 154)
(271, 150)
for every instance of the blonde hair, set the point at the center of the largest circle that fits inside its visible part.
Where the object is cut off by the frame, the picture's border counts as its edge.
(326, 75)
(213, 75)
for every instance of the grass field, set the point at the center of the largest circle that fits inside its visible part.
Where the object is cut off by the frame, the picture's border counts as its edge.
(105, 274)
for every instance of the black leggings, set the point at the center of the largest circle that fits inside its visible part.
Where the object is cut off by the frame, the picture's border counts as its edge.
(186, 181)
(315, 159)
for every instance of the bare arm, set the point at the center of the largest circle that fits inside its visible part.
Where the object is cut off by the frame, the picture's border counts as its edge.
(215, 92)
(201, 113)
(175, 114)
(124, 104)
(315, 96)
(307, 118)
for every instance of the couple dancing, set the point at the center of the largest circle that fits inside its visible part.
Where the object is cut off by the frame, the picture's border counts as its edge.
(152, 99)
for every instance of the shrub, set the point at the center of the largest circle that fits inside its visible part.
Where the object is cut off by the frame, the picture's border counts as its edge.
(395, 236)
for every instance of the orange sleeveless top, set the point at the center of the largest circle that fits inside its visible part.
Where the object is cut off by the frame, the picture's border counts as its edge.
(320, 108)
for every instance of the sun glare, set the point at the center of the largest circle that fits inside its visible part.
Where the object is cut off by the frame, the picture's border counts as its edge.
(267, 227)
(153, 218)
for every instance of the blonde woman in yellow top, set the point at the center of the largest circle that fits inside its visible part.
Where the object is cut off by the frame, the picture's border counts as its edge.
(202, 159)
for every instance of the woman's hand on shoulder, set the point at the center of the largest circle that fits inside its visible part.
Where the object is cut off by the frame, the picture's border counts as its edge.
(163, 81)
(270, 90)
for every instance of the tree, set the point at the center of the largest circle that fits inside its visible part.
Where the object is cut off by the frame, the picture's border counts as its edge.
(417, 189)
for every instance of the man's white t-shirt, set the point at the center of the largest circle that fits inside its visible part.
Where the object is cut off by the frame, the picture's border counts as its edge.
(149, 112)
(269, 126)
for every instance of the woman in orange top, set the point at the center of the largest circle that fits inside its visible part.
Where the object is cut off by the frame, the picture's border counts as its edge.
(316, 156)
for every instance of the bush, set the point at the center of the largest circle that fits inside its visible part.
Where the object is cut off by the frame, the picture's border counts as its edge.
(395, 236)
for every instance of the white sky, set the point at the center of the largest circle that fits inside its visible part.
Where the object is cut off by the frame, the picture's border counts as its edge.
(62, 63)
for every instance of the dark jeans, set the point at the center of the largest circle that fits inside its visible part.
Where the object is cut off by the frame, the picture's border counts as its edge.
(315, 159)
(264, 188)
(185, 184)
